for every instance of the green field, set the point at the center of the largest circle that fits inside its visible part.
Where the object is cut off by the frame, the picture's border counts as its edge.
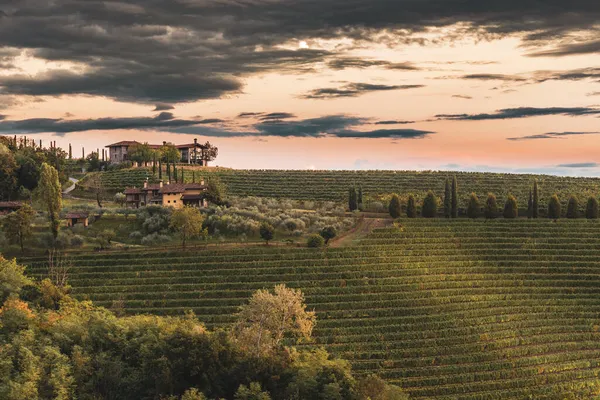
(448, 309)
(334, 185)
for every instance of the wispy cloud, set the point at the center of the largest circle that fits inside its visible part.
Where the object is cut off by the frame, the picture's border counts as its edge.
(552, 135)
(354, 90)
(462, 96)
(579, 165)
(393, 122)
(521, 112)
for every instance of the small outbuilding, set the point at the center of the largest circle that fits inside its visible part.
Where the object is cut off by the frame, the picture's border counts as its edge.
(74, 218)
(6, 207)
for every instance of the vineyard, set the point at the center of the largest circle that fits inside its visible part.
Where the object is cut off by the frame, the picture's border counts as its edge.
(447, 309)
(333, 185)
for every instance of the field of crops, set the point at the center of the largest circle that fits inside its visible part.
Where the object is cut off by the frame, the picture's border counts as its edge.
(334, 185)
(120, 179)
(448, 309)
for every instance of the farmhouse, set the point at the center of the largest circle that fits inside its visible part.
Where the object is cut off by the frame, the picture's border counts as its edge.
(74, 218)
(174, 195)
(191, 153)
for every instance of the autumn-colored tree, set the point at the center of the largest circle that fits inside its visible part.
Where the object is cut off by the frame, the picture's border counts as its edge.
(473, 206)
(554, 207)
(511, 209)
(491, 207)
(187, 221)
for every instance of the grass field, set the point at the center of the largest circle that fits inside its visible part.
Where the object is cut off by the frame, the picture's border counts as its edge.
(334, 185)
(448, 309)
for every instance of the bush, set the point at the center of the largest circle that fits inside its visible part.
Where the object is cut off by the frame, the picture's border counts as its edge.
(430, 205)
(120, 198)
(473, 206)
(511, 208)
(328, 233)
(411, 207)
(395, 208)
(136, 235)
(155, 239)
(554, 207)
(572, 207)
(77, 241)
(591, 210)
(315, 240)
(491, 207)
(105, 238)
(267, 232)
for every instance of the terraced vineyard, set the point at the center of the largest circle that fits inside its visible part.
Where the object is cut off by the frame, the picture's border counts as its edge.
(333, 185)
(448, 309)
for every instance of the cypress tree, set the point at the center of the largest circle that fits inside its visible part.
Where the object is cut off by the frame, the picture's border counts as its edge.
(554, 208)
(530, 205)
(491, 207)
(182, 176)
(411, 207)
(430, 205)
(454, 198)
(352, 199)
(194, 176)
(154, 163)
(536, 200)
(359, 199)
(70, 152)
(447, 199)
(572, 207)
(175, 175)
(169, 170)
(394, 207)
(473, 206)
(511, 208)
(591, 210)
(159, 169)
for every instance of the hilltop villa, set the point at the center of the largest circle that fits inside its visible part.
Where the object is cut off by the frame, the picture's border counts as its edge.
(192, 153)
(174, 195)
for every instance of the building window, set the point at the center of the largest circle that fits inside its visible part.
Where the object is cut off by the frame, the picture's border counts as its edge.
(168, 201)
(174, 201)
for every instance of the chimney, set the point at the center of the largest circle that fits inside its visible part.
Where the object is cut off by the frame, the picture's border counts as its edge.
(146, 183)
(195, 141)
(202, 182)
(160, 183)
(164, 142)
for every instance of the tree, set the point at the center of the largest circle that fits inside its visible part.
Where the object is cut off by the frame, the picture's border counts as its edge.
(315, 240)
(17, 225)
(267, 232)
(105, 237)
(8, 173)
(554, 207)
(591, 210)
(120, 198)
(216, 191)
(454, 198)
(328, 233)
(511, 209)
(411, 207)
(359, 199)
(473, 206)
(572, 207)
(536, 200)
(96, 185)
(187, 221)
(491, 207)
(447, 199)
(49, 193)
(93, 162)
(268, 318)
(395, 208)
(209, 153)
(140, 153)
(530, 205)
(253, 392)
(12, 278)
(430, 205)
(352, 199)
(169, 153)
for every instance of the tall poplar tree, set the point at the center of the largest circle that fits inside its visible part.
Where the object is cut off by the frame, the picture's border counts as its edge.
(447, 199)
(50, 195)
(536, 200)
(454, 198)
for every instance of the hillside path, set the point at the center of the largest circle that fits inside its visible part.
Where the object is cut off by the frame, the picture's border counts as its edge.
(72, 187)
(364, 227)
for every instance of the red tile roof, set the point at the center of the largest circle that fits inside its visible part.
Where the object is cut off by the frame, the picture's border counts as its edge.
(10, 204)
(123, 143)
(132, 191)
(189, 146)
(77, 215)
(181, 187)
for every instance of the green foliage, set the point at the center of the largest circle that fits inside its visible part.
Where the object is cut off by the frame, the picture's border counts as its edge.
(328, 233)
(454, 202)
(352, 199)
(359, 199)
(120, 198)
(12, 278)
(447, 199)
(169, 154)
(8, 172)
(430, 205)
(105, 237)
(473, 207)
(395, 208)
(491, 207)
(49, 193)
(216, 191)
(411, 207)
(267, 232)
(591, 210)
(254, 392)
(187, 221)
(511, 208)
(17, 225)
(536, 200)
(573, 208)
(140, 153)
(530, 205)
(315, 240)
(554, 207)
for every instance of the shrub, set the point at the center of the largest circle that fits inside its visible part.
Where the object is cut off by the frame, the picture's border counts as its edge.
(511, 208)
(267, 232)
(77, 241)
(315, 240)
(328, 233)
(572, 207)
(491, 207)
(395, 208)
(591, 210)
(554, 207)
(105, 238)
(430, 205)
(155, 239)
(120, 198)
(135, 235)
(411, 207)
(473, 206)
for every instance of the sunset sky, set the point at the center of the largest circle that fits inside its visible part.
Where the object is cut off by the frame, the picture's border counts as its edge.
(497, 85)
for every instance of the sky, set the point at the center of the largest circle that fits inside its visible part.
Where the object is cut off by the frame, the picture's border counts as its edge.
(496, 85)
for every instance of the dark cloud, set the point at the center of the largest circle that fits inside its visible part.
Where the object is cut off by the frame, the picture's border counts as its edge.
(394, 122)
(384, 133)
(569, 49)
(249, 114)
(162, 107)
(571, 75)
(361, 63)
(594, 94)
(180, 51)
(462, 96)
(521, 112)
(552, 135)
(580, 165)
(276, 116)
(494, 77)
(354, 90)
